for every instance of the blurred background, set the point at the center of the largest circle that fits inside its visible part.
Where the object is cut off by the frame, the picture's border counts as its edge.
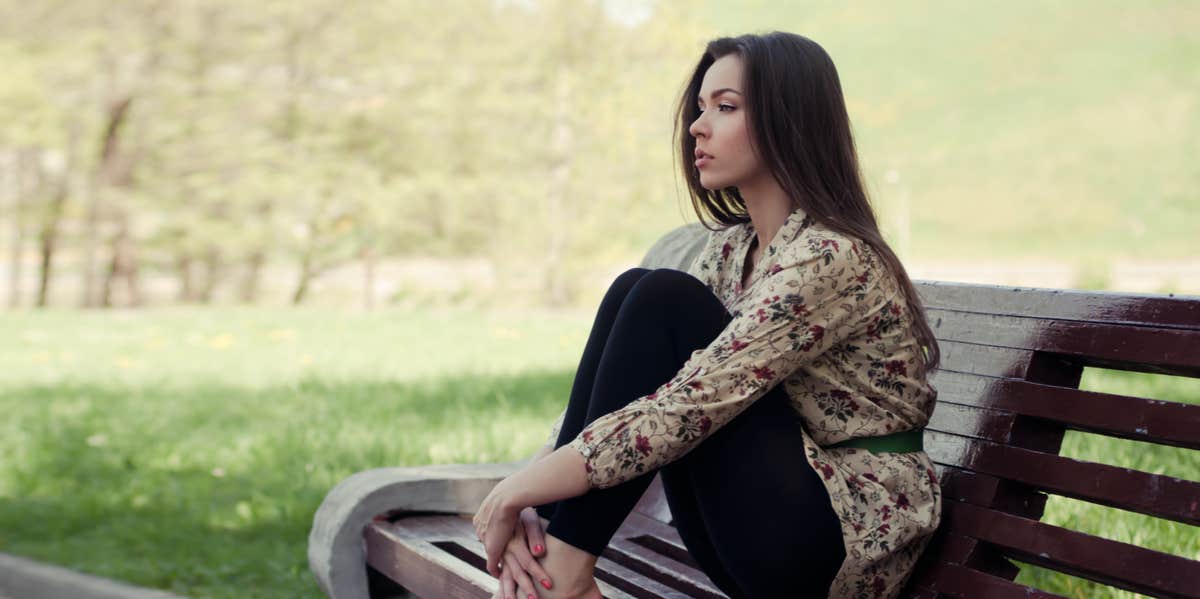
(250, 248)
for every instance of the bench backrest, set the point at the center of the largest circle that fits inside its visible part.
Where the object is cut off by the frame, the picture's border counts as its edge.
(1007, 392)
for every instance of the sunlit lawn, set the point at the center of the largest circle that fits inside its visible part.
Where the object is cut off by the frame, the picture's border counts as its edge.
(187, 449)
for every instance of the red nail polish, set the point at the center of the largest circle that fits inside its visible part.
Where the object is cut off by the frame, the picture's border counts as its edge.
(538, 549)
(531, 596)
(545, 583)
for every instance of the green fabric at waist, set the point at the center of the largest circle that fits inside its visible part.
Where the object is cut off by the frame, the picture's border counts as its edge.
(905, 441)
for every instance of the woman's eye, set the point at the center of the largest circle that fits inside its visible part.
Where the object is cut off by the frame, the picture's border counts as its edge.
(722, 107)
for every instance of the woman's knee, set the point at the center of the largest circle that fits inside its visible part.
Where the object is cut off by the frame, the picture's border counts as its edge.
(620, 287)
(669, 288)
(629, 277)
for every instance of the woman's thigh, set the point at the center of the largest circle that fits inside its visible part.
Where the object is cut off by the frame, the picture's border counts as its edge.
(755, 498)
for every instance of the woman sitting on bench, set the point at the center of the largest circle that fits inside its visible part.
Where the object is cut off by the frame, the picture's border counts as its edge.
(779, 385)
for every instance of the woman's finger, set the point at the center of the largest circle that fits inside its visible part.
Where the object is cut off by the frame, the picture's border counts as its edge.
(519, 549)
(533, 568)
(493, 546)
(499, 527)
(508, 587)
(524, 582)
(533, 531)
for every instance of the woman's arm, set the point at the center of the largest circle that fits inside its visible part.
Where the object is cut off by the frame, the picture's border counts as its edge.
(813, 298)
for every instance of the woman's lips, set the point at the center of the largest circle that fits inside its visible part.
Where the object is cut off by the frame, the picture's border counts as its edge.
(702, 161)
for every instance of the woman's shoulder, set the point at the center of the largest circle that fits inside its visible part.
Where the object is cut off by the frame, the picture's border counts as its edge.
(816, 240)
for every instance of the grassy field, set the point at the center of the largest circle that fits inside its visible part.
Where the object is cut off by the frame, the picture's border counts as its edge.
(187, 449)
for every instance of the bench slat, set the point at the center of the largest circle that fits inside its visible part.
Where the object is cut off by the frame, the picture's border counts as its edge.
(671, 573)
(989, 491)
(1150, 349)
(971, 421)
(448, 543)
(1149, 420)
(1142, 492)
(1109, 562)
(422, 567)
(991, 360)
(434, 554)
(1064, 304)
(964, 583)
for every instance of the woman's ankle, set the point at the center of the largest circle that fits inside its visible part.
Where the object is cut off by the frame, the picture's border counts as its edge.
(570, 568)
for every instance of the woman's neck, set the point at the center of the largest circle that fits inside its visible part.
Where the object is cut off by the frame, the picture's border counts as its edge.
(768, 206)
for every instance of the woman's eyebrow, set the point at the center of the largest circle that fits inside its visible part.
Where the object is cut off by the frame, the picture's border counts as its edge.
(719, 92)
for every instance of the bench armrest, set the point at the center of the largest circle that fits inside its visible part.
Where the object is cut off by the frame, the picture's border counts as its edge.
(336, 553)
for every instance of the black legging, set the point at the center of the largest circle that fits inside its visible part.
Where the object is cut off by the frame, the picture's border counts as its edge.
(747, 505)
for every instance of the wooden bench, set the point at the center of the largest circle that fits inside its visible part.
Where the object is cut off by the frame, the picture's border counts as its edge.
(1008, 390)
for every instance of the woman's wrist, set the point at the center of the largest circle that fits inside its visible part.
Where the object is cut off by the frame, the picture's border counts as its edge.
(559, 475)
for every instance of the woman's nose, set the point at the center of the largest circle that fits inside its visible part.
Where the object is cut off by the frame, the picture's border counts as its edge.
(696, 128)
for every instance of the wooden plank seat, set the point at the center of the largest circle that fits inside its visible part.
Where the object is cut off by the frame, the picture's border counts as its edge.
(1008, 392)
(438, 555)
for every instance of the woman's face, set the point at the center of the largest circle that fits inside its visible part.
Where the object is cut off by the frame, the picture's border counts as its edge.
(724, 155)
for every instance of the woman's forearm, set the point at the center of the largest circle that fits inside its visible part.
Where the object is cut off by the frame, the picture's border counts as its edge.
(560, 475)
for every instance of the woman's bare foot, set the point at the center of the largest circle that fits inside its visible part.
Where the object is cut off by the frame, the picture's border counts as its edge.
(571, 569)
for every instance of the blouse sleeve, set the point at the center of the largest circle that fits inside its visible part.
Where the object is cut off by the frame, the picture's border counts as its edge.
(793, 315)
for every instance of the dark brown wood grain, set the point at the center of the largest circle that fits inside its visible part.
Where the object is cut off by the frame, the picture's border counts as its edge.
(1151, 494)
(953, 580)
(1134, 418)
(1149, 349)
(1064, 304)
(1117, 564)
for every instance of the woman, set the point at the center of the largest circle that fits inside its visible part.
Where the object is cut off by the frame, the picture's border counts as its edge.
(794, 353)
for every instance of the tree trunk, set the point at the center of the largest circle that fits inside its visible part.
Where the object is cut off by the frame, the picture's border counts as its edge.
(91, 234)
(53, 218)
(123, 265)
(107, 172)
(254, 265)
(212, 268)
(258, 257)
(306, 274)
(183, 265)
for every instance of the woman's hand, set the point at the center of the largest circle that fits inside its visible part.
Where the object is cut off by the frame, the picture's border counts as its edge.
(560, 475)
(519, 563)
(496, 522)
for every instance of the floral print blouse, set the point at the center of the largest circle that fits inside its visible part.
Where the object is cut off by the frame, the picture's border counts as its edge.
(823, 317)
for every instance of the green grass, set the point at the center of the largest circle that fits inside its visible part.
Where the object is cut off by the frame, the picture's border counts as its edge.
(187, 449)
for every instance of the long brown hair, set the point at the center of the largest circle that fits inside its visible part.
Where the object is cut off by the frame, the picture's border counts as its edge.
(801, 130)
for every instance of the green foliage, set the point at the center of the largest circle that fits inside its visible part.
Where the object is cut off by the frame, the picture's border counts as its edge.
(538, 133)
